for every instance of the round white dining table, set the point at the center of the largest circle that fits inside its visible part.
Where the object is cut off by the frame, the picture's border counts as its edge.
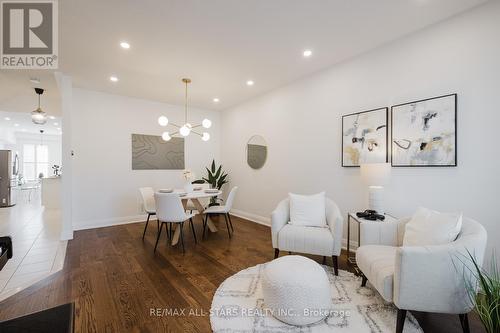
(194, 196)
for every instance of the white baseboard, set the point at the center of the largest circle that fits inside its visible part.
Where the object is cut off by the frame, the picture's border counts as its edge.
(251, 217)
(353, 245)
(92, 224)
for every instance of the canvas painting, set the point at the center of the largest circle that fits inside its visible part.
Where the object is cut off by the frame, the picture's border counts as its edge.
(424, 132)
(364, 137)
(151, 152)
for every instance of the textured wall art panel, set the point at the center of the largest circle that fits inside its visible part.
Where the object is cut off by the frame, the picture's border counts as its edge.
(424, 132)
(364, 137)
(151, 152)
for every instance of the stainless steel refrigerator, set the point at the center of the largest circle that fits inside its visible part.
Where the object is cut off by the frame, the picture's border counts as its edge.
(9, 169)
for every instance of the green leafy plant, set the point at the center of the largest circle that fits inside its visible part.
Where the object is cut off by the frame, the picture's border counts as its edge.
(216, 177)
(484, 291)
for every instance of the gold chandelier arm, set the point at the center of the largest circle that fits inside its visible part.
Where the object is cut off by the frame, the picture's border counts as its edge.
(175, 125)
(174, 133)
(197, 133)
(195, 126)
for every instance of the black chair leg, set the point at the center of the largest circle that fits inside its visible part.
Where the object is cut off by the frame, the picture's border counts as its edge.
(230, 222)
(335, 265)
(363, 281)
(181, 225)
(205, 221)
(194, 232)
(400, 321)
(157, 224)
(324, 260)
(276, 253)
(158, 237)
(146, 226)
(227, 226)
(464, 321)
(169, 231)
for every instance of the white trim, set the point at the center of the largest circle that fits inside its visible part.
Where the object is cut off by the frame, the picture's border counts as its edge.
(251, 217)
(93, 224)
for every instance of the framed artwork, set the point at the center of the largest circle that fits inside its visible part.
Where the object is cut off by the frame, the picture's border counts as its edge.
(151, 152)
(424, 133)
(364, 137)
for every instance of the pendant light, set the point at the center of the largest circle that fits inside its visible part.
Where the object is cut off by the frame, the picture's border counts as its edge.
(38, 116)
(185, 129)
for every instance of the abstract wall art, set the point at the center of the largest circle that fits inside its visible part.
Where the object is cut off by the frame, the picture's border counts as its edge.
(151, 152)
(364, 137)
(424, 133)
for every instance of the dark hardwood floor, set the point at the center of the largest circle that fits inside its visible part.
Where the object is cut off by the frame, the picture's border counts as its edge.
(116, 281)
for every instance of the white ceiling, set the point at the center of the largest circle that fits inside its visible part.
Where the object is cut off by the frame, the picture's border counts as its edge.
(18, 94)
(20, 122)
(220, 44)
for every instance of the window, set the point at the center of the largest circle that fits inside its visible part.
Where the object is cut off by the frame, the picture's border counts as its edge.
(35, 161)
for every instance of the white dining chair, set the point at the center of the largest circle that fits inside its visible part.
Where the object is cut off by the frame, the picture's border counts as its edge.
(169, 211)
(224, 210)
(148, 203)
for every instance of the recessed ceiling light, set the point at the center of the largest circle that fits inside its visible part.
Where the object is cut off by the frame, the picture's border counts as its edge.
(113, 78)
(52, 117)
(307, 53)
(216, 100)
(35, 80)
(56, 124)
(250, 83)
(7, 118)
(125, 45)
(59, 128)
(16, 125)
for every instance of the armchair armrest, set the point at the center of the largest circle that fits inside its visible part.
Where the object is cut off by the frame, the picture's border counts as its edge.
(432, 279)
(336, 225)
(279, 218)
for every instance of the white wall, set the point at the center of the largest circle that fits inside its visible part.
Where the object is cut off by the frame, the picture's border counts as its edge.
(302, 125)
(104, 186)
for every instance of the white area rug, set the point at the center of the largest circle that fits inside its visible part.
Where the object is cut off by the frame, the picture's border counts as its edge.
(238, 306)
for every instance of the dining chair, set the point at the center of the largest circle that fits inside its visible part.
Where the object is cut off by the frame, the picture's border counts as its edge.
(148, 203)
(170, 211)
(224, 210)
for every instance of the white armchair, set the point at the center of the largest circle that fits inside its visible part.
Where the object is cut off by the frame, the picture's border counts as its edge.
(420, 278)
(312, 240)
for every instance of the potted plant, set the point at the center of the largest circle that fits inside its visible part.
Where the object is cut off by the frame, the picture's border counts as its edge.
(484, 291)
(216, 177)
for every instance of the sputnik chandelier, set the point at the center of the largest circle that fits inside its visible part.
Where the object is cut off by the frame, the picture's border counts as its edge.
(187, 128)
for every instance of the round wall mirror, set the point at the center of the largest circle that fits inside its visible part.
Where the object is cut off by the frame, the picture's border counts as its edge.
(256, 152)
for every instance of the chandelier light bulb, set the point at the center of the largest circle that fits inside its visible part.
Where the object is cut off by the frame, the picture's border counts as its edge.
(206, 136)
(185, 130)
(207, 123)
(163, 121)
(166, 136)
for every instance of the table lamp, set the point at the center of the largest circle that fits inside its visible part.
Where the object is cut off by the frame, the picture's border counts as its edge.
(375, 176)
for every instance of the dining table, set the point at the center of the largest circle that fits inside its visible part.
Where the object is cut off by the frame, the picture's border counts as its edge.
(195, 197)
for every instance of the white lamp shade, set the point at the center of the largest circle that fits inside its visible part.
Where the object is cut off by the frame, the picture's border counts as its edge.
(375, 174)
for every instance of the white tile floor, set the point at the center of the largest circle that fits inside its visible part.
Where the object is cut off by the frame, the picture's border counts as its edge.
(37, 250)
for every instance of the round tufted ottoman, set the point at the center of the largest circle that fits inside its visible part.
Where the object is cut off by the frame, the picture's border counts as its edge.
(296, 290)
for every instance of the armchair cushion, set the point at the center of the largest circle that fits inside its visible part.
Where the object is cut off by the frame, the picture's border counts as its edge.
(377, 263)
(301, 239)
(428, 227)
(308, 210)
